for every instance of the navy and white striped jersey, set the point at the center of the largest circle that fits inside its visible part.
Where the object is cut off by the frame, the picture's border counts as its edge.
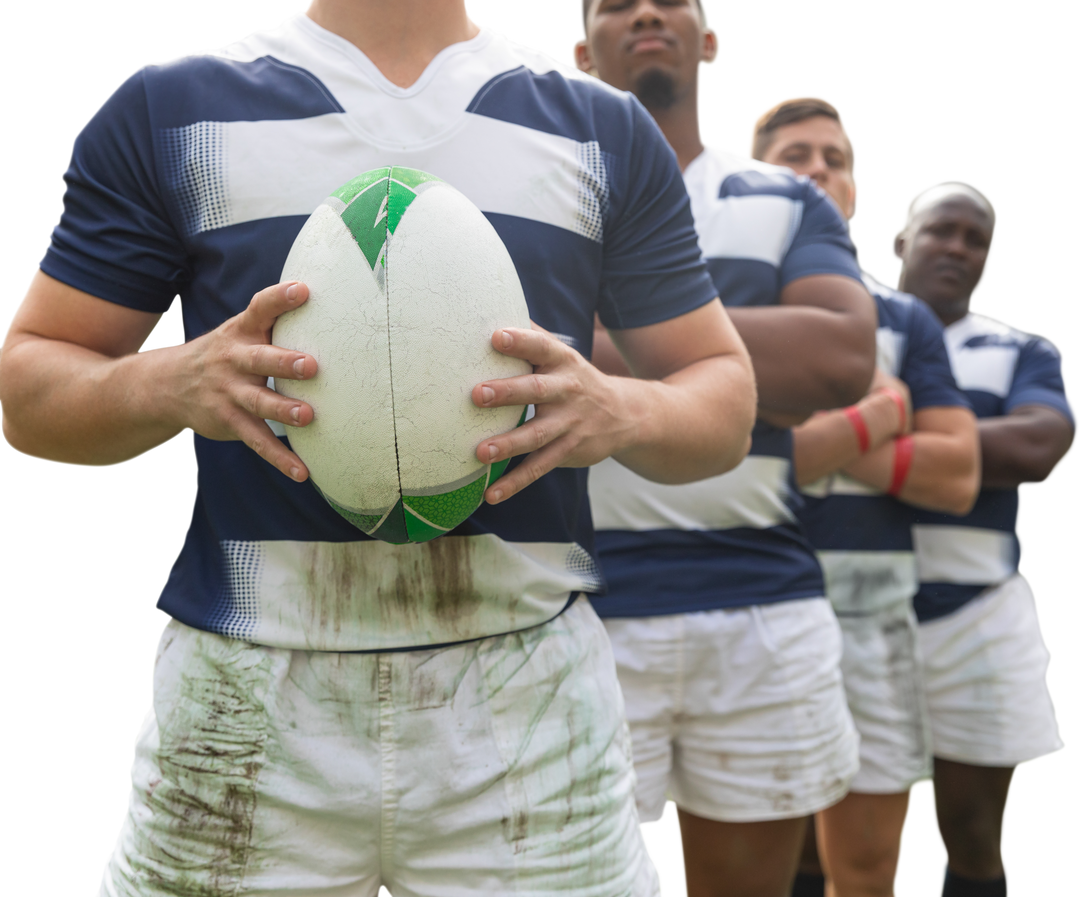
(999, 369)
(732, 540)
(196, 177)
(863, 536)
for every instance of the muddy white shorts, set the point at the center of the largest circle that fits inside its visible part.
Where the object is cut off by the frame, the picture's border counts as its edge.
(984, 671)
(501, 766)
(885, 696)
(737, 715)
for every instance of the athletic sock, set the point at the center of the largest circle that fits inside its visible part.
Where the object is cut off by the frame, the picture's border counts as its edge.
(808, 884)
(957, 886)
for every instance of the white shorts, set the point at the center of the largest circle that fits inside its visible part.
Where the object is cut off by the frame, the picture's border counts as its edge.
(739, 715)
(495, 767)
(885, 696)
(984, 671)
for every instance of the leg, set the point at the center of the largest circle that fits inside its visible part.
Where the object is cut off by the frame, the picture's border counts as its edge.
(810, 861)
(860, 843)
(740, 859)
(970, 803)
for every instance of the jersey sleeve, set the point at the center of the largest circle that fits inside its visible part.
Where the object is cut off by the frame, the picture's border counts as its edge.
(926, 369)
(115, 239)
(822, 244)
(652, 266)
(1037, 379)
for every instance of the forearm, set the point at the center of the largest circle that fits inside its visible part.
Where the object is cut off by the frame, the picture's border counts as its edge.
(829, 441)
(943, 475)
(807, 359)
(1022, 447)
(691, 425)
(68, 403)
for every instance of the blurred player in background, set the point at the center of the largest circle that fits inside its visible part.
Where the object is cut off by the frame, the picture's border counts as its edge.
(984, 661)
(319, 727)
(727, 652)
(867, 470)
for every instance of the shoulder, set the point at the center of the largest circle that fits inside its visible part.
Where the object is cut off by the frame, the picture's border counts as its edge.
(733, 175)
(534, 91)
(977, 331)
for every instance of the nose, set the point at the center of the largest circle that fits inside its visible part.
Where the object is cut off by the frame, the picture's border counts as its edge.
(647, 15)
(818, 171)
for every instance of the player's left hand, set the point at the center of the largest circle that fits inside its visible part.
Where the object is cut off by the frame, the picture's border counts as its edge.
(582, 415)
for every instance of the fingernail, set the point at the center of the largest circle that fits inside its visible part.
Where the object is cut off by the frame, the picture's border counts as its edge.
(291, 292)
(294, 472)
(496, 495)
(487, 393)
(493, 452)
(298, 367)
(295, 413)
(507, 339)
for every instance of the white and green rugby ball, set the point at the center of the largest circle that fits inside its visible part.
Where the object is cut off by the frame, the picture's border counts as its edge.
(408, 283)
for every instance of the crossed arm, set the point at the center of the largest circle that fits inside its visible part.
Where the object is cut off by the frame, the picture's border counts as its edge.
(74, 387)
(814, 350)
(944, 471)
(954, 455)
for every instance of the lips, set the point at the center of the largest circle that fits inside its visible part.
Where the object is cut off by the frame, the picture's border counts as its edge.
(650, 44)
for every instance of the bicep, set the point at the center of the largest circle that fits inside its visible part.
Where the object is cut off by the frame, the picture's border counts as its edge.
(657, 350)
(832, 292)
(52, 310)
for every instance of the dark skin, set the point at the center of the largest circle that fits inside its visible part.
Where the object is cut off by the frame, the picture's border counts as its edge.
(944, 249)
(629, 41)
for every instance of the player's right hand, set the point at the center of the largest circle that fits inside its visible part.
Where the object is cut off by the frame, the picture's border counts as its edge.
(224, 394)
(885, 382)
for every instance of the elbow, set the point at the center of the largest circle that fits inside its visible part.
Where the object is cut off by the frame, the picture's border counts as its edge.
(961, 498)
(849, 377)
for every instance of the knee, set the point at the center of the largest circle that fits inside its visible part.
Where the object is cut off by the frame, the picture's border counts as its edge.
(973, 841)
(867, 869)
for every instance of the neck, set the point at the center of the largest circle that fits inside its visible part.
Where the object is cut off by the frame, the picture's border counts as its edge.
(948, 310)
(680, 126)
(400, 37)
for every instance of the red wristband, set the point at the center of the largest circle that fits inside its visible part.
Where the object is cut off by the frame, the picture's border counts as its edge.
(862, 433)
(901, 405)
(903, 452)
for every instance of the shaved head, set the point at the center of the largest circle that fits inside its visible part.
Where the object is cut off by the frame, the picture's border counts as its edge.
(942, 193)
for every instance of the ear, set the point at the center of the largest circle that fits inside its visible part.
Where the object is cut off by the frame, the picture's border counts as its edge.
(708, 45)
(856, 200)
(896, 246)
(583, 57)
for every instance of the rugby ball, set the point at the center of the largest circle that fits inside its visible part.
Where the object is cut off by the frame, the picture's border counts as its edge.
(408, 283)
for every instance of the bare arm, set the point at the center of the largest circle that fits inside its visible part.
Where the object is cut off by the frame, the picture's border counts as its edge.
(75, 388)
(816, 349)
(1022, 446)
(688, 417)
(944, 472)
(828, 441)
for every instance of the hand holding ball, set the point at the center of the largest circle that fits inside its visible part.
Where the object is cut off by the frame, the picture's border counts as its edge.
(408, 281)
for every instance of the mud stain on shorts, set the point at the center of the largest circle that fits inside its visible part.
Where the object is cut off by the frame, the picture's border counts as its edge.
(196, 839)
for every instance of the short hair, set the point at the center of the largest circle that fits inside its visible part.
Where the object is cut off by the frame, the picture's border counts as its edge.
(791, 112)
(945, 185)
(583, 5)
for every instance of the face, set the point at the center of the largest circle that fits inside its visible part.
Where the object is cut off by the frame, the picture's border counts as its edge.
(818, 148)
(944, 250)
(650, 47)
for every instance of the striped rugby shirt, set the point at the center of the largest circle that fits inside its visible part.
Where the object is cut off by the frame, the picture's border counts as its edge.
(863, 536)
(732, 540)
(195, 178)
(999, 368)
